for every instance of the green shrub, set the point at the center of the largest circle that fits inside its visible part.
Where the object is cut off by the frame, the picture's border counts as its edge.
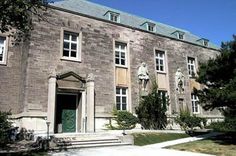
(124, 120)
(5, 126)
(188, 121)
(152, 110)
(228, 125)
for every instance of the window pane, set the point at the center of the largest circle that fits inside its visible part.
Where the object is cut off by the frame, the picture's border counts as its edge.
(123, 106)
(123, 47)
(117, 54)
(73, 53)
(65, 53)
(117, 61)
(122, 62)
(66, 45)
(73, 46)
(123, 55)
(123, 91)
(118, 99)
(161, 68)
(118, 106)
(123, 100)
(66, 36)
(74, 38)
(117, 90)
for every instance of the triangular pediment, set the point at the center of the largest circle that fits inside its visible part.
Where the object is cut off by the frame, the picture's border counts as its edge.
(70, 80)
(70, 76)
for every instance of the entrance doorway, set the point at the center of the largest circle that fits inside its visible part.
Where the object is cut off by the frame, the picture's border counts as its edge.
(66, 115)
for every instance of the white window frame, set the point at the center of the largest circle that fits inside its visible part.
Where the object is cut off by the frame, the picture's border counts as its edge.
(121, 51)
(180, 34)
(78, 43)
(191, 62)
(120, 95)
(152, 26)
(160, 59)
(194, 104)
(5, 50)
(114, 17)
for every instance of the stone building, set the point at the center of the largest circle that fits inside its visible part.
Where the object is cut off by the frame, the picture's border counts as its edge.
(83, 61)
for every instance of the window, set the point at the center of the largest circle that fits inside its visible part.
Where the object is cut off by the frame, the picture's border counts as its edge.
(121, 98)
(160, 61)
(115, 17)
(195, 105)
(163, 94)
(205, 43)
(71, 46)
(164, 97)
(180, 36)
(191, 67)
(120, 53)
(151, 27)
(3, 50)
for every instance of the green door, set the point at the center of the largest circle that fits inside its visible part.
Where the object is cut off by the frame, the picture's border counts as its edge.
(66, 112)
(68, 120)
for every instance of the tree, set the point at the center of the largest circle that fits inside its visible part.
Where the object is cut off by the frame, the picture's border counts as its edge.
(218, 75)
(152, 110)
(5, 126)
(16, 16)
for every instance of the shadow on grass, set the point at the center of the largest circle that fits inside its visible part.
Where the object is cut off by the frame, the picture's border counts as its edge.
(228, 138)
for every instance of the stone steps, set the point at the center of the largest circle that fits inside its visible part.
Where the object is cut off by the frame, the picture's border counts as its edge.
(86, 141)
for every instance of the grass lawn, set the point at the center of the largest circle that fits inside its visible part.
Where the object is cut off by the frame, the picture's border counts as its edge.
(223, 145)
(142, 139)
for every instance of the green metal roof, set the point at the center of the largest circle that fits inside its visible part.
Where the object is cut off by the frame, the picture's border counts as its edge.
(91, 9)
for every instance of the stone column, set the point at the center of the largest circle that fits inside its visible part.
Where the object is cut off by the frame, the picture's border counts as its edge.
(90, 103)
(51, 102)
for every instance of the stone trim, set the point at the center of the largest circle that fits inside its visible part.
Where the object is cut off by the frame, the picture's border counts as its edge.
(29, 115)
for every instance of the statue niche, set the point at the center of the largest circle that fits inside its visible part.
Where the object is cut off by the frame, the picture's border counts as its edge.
(179, 81)
(143, 76)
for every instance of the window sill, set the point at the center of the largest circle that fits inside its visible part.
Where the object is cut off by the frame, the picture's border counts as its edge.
(120, 66)
(3, 64)
(161, 72)
(70, 59)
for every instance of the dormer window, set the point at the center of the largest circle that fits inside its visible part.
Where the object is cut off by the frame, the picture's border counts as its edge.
(179, 34)
(113, 16)
(204, 42)
(150, 27)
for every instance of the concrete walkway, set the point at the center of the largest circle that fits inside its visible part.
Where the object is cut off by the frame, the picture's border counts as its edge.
(126, 151)
(151, 150)
(181, 141)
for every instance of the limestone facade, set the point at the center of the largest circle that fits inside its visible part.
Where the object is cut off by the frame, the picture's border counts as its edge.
(30, 67)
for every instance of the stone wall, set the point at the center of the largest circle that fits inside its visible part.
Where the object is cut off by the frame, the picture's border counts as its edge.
(43, 57)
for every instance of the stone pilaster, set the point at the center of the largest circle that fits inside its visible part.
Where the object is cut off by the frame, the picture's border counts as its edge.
(90, 103)
(51, 102)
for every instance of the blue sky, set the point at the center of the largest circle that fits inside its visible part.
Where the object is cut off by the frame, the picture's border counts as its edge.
(211, 19)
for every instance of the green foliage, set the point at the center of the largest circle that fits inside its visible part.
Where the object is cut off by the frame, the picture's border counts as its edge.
(5, 126)
(152, 110)
(188, 121)
(16, 15)
(229, 123)
(219, 77)
(124, 120)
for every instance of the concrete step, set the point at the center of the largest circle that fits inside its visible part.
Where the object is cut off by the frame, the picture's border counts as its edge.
(90, 146)
(88, 142)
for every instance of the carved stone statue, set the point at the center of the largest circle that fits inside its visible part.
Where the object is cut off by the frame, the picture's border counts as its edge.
(143, 75)
(179, 81)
